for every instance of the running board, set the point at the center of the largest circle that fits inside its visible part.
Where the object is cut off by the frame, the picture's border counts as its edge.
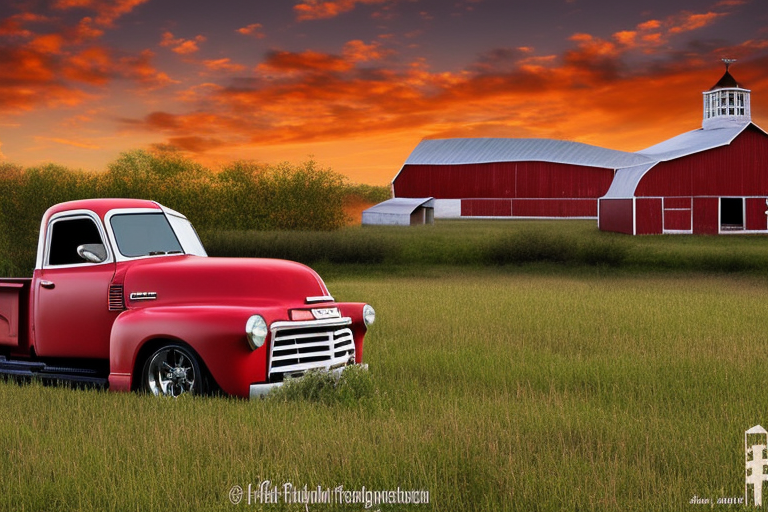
(46, 373)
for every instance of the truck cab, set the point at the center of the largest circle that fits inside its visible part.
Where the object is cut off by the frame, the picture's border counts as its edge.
(124, 296)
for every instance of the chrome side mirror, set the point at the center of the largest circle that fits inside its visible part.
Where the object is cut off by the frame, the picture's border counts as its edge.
(93, 253)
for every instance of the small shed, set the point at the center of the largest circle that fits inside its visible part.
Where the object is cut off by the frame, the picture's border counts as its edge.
(401, 211)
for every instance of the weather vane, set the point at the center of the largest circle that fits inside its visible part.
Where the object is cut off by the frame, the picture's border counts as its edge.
(728, 62)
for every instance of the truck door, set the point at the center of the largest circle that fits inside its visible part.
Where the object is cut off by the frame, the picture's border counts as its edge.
(71, 314)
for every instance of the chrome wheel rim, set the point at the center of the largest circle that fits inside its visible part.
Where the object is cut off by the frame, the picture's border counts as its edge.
(171, 372)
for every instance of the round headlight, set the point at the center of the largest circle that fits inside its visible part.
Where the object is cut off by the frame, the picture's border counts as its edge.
(369, 315)
(256, 329)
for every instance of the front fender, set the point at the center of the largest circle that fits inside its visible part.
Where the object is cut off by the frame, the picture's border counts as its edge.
(216, 333)
(354, 310)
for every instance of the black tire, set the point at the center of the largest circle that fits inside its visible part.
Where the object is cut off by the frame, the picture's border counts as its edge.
(173, 370)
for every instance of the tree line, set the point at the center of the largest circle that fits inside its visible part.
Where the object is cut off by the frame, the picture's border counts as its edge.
(242, 195)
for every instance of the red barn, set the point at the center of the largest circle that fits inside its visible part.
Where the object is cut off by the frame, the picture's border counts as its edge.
(511, 178)
(709, 181)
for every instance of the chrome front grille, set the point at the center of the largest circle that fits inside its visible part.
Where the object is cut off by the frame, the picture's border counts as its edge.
(301, 346)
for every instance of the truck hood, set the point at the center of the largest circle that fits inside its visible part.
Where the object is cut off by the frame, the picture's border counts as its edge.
(194, 280)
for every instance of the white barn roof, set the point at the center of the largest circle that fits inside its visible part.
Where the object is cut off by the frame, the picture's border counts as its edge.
(489, 150)
(692, 142)
(625, 181)
(396, 211)
(400, 205)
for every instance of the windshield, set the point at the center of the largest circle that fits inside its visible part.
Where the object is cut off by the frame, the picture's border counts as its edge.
(144, 234)
(187, 235)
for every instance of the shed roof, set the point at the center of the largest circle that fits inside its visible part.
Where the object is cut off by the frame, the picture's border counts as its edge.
(489, 150)
(400, 205)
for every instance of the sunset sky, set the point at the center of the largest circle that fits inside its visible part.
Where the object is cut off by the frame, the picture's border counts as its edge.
(358, 83)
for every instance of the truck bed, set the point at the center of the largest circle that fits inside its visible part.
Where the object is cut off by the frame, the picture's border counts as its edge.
(14, 312)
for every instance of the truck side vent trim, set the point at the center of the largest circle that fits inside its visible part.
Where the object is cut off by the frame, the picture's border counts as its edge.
(296, 350)
(116, 300)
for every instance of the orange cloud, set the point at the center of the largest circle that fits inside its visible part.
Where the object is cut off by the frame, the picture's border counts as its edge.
(107, 11)
(309, 60)
(14, 26)
(92, 65)
(85, 30)
(358, 51)
(306, 96)
(594, 46)
(69, 142)
(626, 37)
(42, 73)
(731, 3)
(222, 65)
(689, 21)
(48, 44)
(254, 30)
(181, 46)
(320, 9)
(649, 25)
(140, 69)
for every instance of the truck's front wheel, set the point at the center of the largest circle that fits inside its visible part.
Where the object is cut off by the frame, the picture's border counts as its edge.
(172, 370)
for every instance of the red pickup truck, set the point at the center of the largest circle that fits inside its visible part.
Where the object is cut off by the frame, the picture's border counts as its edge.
(124, 296)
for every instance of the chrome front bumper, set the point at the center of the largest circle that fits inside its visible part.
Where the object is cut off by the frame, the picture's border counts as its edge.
(262, 390)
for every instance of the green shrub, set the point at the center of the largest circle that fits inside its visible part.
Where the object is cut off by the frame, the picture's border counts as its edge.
(610, 253)
(368, 193)
(354, 385)
(529, 246)
(344, 246)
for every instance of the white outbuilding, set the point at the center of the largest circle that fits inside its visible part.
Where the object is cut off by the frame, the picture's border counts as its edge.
(401, 211)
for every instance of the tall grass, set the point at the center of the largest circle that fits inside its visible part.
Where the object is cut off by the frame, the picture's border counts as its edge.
(494, 391)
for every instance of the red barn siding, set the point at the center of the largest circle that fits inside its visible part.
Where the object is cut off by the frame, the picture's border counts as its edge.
(677, 220)
(649, 216)
(549, 180)
(616, 215)
(739, 169)
(756, 218)
(502, 180)
(486, 208)
(677, 203)
(705, 215)
(554, 207)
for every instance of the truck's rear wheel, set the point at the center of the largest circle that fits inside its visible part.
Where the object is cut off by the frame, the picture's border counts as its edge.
(172, 370)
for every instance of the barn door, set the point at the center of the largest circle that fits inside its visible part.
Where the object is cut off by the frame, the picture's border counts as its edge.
(677, 215)
(756, 217)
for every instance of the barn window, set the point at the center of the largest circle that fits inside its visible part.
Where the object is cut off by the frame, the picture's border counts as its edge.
(726, 103)
(731, 213)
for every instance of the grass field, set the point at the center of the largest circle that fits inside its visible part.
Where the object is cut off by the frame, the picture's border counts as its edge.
(569, 244)
(493, 389)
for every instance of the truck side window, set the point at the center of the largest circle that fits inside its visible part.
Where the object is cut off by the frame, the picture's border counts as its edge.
(67, 235)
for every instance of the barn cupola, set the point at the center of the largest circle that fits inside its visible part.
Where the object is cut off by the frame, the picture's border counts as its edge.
(726, 104)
